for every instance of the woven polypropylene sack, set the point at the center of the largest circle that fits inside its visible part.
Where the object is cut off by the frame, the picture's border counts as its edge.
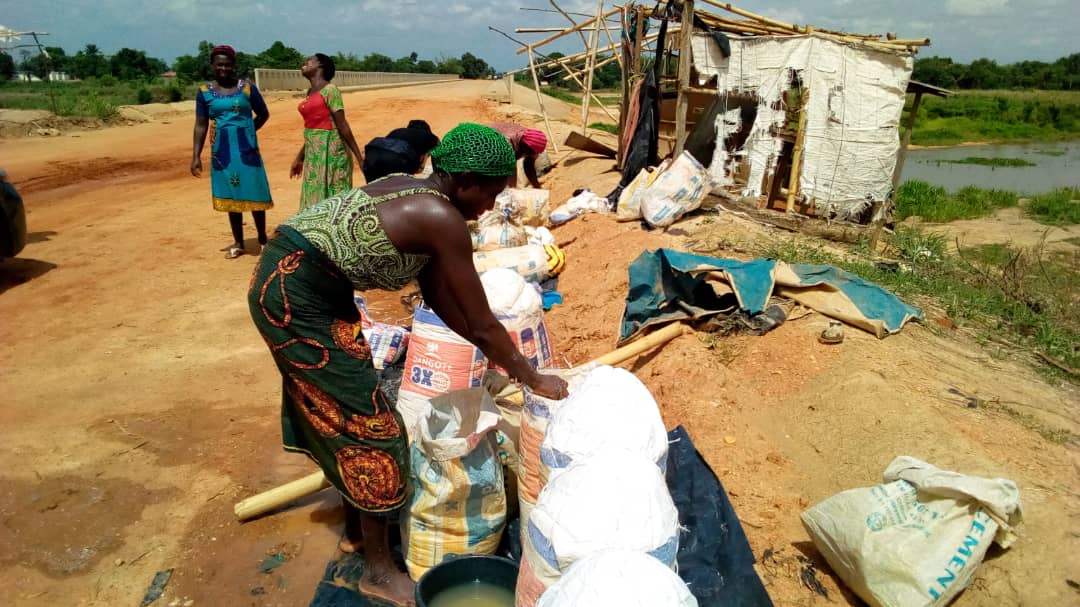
(458, 502)
(607, 501)
(618, 578)
(609, 410)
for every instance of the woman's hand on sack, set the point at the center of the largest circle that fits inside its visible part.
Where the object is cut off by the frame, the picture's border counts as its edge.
(549, 386)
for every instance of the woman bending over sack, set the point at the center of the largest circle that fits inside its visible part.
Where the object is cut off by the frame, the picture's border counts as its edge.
(379, 236)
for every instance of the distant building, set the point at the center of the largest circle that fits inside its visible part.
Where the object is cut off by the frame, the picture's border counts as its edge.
(30, 77)
(169, 74)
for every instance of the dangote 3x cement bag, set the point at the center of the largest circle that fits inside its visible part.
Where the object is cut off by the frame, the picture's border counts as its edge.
(916, 540)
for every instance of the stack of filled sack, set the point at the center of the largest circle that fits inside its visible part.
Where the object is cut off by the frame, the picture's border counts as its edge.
(460, 440)
(514, 236)
(598, 482)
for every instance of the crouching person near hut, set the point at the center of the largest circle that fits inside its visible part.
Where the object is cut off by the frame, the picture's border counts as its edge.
(379, 236)
(528, 144)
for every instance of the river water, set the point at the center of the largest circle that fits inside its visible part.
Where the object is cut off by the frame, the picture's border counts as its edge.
(1057, 165)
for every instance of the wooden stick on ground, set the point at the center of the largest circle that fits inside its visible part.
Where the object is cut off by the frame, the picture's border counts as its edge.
(290, 492)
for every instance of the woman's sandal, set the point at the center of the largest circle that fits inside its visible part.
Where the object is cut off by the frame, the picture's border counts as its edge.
(833, 334)
(234, 252)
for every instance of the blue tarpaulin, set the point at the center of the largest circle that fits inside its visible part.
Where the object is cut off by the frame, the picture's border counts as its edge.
(667, 285)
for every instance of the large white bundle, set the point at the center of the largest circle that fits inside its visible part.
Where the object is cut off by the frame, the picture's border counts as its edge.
(618, 578)
(520, 308)
(609, 500)
(610, 410)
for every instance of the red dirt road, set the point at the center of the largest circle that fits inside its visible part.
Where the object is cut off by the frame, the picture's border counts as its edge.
(140, 403)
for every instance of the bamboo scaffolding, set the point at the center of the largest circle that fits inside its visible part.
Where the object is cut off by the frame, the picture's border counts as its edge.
(797, 153)
(540, 101)
(572, 22)
(568, 31)
(550, 62)
(590, 69)
(754, 16)
(595, 67)
(682, 104)
(761, 25)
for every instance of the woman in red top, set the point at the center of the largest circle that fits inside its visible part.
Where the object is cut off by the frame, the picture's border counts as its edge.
(324, 160)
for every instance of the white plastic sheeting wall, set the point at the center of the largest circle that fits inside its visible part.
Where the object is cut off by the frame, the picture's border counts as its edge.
(856, 98)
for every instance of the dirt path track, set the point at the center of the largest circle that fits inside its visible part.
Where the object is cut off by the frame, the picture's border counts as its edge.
(140, 404)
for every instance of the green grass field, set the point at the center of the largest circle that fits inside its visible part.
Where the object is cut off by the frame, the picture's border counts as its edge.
(90, 98)
(998, 116)
(1023, 296)
(937, 205)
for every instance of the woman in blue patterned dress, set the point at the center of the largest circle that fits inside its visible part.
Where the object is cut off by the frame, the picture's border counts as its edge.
(237, 177)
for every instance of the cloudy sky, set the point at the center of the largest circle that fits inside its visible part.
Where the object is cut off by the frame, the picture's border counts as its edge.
(1003, 30)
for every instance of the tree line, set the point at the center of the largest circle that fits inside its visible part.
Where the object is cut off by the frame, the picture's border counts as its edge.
(1063, 74)
(132, 64)
(604, 77)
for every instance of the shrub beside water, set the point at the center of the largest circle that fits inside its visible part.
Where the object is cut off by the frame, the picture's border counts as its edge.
(936, 205)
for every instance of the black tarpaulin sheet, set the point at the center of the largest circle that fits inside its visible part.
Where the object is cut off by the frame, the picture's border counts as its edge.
(714, 557)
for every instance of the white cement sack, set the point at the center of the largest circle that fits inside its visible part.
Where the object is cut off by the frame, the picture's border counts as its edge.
(528, 207)
(609, 410)
(916, 540)
(519, 306)
(458, 503)
(530, 261)
(677, 191)
(496, 229)
(618, 578)
(629, 207)
(607, 501)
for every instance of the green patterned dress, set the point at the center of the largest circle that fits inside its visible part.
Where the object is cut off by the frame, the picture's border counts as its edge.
(301, 300)
(327, 162)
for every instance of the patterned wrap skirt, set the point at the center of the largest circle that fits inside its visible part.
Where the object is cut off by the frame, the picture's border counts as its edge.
(332, 408)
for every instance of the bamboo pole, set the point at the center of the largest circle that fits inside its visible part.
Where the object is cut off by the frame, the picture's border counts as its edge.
(290, 492)
(278, 496)
(878, 212)
(550, 62)
(540, 101)
(584, 42)
(568, 31)
(797, 153)
(537, 30)
(754, 16)
(590, 67)
(685, 60)
(598, 65)
(574, 75)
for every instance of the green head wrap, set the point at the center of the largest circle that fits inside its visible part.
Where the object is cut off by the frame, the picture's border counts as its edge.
(474, 148)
